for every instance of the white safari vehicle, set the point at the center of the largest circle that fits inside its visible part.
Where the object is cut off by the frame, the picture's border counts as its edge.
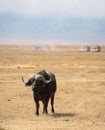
(95, 49)
(84, 49)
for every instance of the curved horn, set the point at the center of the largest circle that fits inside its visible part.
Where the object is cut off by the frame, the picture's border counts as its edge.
(23, 80)
(26, 82)
(30, 81)
(40, 77)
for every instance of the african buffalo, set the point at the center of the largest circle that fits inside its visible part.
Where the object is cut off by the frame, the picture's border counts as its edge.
(44, 87)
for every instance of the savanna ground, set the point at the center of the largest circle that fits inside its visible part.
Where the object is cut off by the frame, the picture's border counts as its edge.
(80, 96)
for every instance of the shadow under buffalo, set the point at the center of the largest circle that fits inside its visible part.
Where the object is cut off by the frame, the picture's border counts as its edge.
(58, 115)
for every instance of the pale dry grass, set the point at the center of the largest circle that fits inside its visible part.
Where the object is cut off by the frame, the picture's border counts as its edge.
(80, 96)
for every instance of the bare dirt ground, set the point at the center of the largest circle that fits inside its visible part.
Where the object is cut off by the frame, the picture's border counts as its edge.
(80, 96)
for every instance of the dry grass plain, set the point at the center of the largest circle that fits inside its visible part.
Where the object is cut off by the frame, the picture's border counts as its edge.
(80, 96)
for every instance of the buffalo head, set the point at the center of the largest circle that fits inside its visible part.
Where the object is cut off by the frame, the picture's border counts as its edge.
(36, 81)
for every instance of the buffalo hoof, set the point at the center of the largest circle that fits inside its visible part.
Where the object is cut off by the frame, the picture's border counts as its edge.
(36, 114)
(46, 113)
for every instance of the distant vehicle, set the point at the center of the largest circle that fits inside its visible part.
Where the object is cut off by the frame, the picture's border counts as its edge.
(84, 49)
(95, 49)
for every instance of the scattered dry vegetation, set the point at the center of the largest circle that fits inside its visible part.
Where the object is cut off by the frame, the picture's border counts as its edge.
(80, 96)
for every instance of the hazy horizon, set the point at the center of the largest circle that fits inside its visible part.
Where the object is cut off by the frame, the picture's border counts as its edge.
(47, 42)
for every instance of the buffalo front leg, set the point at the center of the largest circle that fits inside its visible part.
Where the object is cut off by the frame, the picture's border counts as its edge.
(45, 105)
(37, 107)
(37, 104)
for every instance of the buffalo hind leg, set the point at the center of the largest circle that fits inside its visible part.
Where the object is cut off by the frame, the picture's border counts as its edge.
(52, 104)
